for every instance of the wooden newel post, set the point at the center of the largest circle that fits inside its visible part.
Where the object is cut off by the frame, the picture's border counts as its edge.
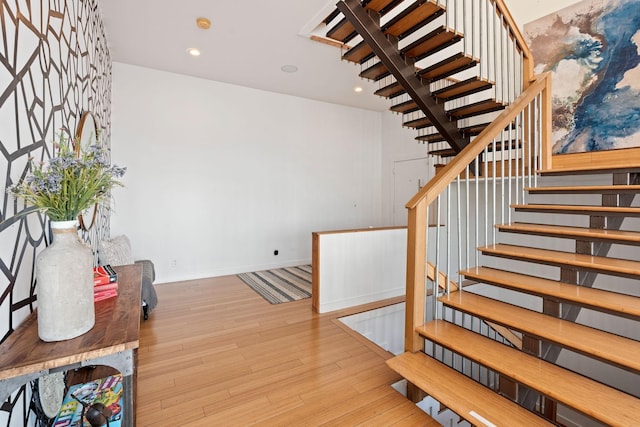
(416, 292)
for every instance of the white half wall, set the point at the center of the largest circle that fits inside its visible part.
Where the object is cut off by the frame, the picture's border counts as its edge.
(221, 176)
(359, 267)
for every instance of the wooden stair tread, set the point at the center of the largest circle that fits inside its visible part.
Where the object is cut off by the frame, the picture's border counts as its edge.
(463, 88)
(574, 390)
(449, 152)
(392, 90)
(413, 17)
(420, 123)
(445, 152)
(604, 189)
(358, 54)
(405, 107)
(590, 234)
(610, 348)
(497, 145)
(597, 299)
(333, 15)
(431, 43)
(461, 394)
(430, 138)
(477, 108)
(375, 72)
(382, 6)
(467, 130)
(343, 31)
(474, 129)
(578, 209)
(615, 266)
(447, 67)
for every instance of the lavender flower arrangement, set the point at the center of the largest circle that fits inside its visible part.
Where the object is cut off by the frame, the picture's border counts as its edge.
(72, 182)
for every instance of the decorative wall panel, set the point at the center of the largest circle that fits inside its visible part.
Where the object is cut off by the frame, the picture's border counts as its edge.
(54, 65)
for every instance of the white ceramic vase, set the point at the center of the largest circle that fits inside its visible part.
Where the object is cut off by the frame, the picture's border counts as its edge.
(64, 273)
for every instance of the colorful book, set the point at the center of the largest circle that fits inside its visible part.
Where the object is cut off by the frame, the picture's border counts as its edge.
(103, 295)
(106, 287)
(104, 274)
(107, 391)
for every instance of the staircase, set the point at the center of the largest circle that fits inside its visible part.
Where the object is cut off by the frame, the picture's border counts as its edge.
(522, 298)
(425, 56)
(540, 267)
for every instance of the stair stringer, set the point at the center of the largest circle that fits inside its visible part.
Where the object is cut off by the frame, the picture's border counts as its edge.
(403, 71)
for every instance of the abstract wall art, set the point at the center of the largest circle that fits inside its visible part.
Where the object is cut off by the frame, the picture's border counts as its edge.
(592, 48)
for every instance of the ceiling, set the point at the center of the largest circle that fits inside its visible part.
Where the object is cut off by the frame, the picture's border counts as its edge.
(247, 44)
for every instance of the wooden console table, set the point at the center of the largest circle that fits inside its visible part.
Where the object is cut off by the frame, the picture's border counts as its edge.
(113, 341)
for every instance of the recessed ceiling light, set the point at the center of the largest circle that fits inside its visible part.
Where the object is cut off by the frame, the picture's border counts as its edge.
(193, 51)
(357, 89)
(289, 68)
(203, 23)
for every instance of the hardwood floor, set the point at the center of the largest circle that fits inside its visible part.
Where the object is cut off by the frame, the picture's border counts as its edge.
(214, 353)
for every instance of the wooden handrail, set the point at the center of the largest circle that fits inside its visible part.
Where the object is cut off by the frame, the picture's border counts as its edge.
(448, 174)
(442, 278)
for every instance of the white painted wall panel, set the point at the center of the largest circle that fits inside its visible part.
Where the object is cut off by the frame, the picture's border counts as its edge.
(361, 267)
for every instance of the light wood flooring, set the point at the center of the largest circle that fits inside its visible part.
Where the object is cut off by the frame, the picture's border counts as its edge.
(214, 353)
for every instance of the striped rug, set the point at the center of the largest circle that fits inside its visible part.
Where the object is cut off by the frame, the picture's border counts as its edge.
(282, 284)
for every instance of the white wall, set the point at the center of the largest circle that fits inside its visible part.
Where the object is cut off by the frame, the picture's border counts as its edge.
(398, 144)
(220, 176)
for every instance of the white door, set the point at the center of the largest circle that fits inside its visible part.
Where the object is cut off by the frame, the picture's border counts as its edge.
(408, 177)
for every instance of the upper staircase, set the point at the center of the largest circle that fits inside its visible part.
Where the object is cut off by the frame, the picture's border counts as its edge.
(434, 63)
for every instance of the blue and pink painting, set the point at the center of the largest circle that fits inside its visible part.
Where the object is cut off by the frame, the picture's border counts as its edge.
(592, 49)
